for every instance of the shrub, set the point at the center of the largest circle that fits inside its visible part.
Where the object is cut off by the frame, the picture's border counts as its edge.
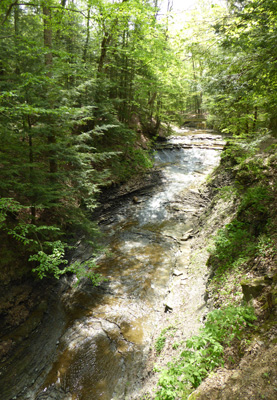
(203, 352)
(231, 243)
(160, 342)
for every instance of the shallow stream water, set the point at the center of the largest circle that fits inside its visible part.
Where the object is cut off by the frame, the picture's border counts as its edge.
(103, 350)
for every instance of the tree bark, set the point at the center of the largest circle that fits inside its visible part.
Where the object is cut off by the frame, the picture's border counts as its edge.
(255, 118)
(87, 38)
(49, 64)
(104, 47)
(31, 168)
(47, 33)
(16, 36)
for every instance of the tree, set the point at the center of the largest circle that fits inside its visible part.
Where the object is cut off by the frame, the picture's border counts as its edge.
(74, 77)
(243, 91)
(45, 170)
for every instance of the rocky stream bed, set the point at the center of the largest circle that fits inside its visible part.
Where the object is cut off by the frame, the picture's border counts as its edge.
(89, 343)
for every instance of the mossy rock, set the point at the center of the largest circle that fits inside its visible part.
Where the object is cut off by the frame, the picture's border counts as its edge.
(252, 288)
(195, 395)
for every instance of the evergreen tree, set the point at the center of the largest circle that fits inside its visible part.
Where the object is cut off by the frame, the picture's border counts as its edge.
(74, 78)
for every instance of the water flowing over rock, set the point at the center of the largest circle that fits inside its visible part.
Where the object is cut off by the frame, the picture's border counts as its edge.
(100, 347)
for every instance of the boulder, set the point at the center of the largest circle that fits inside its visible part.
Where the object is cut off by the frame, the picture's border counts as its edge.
(252, 287)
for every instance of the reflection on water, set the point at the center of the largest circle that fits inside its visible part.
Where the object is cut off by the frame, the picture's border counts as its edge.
(102, 350)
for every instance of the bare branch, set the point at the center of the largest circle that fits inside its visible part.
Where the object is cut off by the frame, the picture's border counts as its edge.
(9, 11)
(5, 37)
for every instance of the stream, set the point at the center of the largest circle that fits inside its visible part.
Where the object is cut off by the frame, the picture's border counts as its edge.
(107, 331)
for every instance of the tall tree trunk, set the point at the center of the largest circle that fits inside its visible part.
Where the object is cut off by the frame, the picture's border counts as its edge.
(87, 38)
(47, 33)
(124, 78)
(106, 40)
(104, 48)
(105, 43)
(255, 118)
(31, 168)
(156, 9)
(247, 120)
(49, 64)
(16, 35)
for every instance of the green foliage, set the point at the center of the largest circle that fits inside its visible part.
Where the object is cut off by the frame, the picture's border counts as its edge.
(240, 155)
(250, 171)
(70, 110)
(238, 150)
(204, 352)
(86, 270)
(265, 246)
(49, 264)
(227, 192)
(160, 342)
(240, 92)
(256, 199)
(232, 243)
(249, 237)
(78, 91)
(132, 161)
(239, 240)
(47, 256)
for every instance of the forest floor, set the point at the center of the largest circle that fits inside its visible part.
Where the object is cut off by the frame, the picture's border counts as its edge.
(250, 368)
